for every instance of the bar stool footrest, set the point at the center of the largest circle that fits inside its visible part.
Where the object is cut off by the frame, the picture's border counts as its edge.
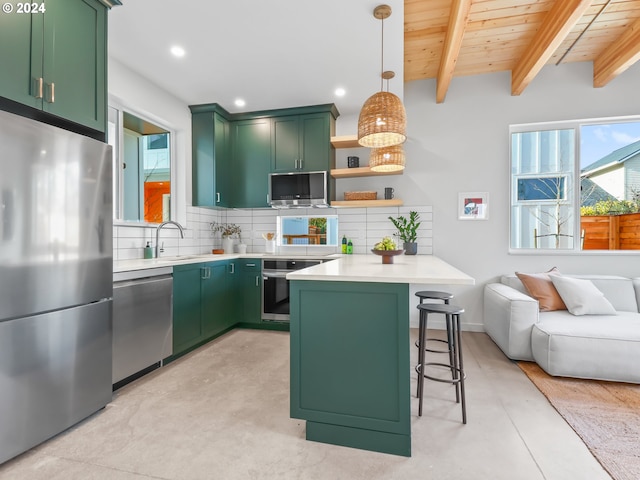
(433, 340)
(452, 381)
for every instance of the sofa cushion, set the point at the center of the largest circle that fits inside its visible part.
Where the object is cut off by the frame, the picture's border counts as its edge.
(539, 286)
(514, 282)
(618, 290)
(582, 297)
(600, 347)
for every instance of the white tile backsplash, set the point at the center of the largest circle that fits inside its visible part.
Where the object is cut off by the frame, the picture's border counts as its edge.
(364, 226)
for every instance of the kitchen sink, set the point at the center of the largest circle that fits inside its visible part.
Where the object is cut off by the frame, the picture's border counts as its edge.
(176, 258)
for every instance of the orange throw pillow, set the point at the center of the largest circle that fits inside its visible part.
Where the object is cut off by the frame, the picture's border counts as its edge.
(541, 288)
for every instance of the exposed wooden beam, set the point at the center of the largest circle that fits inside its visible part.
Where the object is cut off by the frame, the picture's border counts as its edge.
(620, 55)
(458, 19)
(557, 24)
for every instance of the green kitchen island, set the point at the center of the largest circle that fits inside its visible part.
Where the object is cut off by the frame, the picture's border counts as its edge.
(350, 347)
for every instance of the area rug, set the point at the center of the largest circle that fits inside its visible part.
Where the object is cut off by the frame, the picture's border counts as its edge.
(606, 416)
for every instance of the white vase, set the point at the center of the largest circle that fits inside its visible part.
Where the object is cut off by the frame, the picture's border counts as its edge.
(242, 248)
(227, 244)
(270, 246)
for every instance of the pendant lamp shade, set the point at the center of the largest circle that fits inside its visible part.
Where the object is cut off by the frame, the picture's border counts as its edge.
(387, 159)
(382, 121)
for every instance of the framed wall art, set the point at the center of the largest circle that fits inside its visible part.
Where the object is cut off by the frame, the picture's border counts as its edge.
(473, 206)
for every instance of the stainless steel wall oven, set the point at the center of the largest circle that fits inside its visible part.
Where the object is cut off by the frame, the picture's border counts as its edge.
(275, 286)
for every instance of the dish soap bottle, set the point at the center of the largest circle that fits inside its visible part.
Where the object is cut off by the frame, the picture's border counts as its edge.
(344, 244)
(148, 251)
(349, 247)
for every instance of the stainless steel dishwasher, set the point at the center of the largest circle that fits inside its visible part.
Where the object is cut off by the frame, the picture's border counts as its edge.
(142, 321)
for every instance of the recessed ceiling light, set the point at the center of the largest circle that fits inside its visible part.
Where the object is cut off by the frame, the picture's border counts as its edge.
(340, 92)
(240, 102)
(177, 51)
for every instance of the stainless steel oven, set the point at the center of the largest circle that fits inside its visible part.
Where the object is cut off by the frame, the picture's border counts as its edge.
(275, 286)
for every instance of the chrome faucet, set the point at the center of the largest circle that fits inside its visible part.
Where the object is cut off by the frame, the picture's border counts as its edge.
(158, 234)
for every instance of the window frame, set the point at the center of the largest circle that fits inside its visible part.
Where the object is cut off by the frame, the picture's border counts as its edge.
(118, 199)
(576, 200)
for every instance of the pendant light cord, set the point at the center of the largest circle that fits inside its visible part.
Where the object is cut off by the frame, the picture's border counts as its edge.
(382, 56)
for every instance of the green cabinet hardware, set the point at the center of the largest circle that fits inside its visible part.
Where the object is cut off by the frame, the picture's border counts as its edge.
(302, 143)
(55, 61)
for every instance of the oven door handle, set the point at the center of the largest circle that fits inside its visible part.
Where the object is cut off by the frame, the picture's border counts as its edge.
(277, 274)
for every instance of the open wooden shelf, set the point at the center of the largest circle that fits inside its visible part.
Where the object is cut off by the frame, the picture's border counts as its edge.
(345, 141)
(360, 172)
(394, 202)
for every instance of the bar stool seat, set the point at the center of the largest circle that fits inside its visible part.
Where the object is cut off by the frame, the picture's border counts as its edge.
(452, 313)
(435, 295)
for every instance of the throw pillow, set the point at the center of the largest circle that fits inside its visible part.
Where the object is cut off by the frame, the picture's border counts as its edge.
(540, 287)
(582, 297)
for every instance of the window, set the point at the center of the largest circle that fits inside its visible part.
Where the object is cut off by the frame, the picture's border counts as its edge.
(142, 168)
(575, 185)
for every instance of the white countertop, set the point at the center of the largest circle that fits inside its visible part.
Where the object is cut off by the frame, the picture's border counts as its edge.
(415, 269)
(120, 266)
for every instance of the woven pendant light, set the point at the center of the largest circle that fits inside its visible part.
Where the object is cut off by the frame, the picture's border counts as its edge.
(382, 121)
(387, 159)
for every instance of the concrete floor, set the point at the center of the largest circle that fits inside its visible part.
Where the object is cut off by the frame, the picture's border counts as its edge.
(222, 412)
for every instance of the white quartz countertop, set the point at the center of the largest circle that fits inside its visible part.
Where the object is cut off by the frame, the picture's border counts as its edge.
(120, 266)
(415, 269)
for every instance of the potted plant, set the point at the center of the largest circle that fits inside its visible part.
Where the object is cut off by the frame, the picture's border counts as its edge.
(228, 231)
(407, 231)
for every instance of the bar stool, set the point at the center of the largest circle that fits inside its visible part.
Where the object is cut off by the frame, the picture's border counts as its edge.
(445, 297)
(452, 313)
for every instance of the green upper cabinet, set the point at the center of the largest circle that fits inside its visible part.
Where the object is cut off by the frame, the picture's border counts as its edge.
(233, 154)
(21, 57)
(251, 152)
(302, 143)
(55, 60)
(211, 160)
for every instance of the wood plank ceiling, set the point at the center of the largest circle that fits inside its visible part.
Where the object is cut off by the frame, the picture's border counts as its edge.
(447, 38)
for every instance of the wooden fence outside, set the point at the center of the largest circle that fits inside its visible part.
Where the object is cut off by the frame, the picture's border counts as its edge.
(611, 232)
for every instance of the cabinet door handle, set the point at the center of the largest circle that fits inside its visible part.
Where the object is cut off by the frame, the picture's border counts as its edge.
(300, 163)
(217, 197)
(233, 268)
(251, 264)
(39, 87)
(257, 280)
(52, 93)
(203, 273)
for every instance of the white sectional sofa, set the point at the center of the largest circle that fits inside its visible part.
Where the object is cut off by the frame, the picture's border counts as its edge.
(602, 347)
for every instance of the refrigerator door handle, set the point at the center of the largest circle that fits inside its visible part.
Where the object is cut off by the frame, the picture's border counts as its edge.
(6, 215)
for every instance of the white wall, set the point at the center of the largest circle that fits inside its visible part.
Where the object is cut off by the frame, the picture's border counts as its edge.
(463, 145)
(460, 145)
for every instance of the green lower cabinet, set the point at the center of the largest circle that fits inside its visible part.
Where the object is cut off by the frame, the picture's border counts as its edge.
(187, 327)
(204, 303)
(250, 279)
(214, 304)
(350, 368)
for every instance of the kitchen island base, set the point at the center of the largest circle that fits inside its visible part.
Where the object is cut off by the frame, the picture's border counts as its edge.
(350, 370)
(359, 438)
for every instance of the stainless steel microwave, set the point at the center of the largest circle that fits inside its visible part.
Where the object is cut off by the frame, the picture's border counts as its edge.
(298, 189)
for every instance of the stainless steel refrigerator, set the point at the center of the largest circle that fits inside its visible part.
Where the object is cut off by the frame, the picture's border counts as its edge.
(55, 280)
